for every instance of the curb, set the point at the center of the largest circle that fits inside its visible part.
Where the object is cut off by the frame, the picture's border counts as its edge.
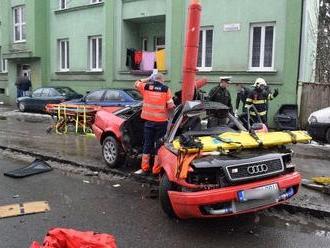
(153, 181)
(138, 178)
(292, 209)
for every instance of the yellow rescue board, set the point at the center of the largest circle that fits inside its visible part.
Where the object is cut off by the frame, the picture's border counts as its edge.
(230, 140)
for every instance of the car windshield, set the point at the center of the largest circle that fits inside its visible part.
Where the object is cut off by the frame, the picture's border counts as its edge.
(134, 94)
(65, 90)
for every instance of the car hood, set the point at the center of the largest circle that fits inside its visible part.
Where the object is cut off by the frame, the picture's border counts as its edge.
(322, 115)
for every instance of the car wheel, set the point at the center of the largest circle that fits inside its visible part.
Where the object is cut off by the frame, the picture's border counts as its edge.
(112, 152)
(21, 107)
(327, 136)
(164, 186)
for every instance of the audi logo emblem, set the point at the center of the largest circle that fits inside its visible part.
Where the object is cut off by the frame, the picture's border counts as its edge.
(256, 169)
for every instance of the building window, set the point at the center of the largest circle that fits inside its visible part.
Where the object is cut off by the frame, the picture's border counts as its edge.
(63, 48)
(204, 62)
(144, 44)
(62, 4)
(96, 1)
(95, 53)
(159, 43)
(4, 65)
(19, 24)
(262, 39)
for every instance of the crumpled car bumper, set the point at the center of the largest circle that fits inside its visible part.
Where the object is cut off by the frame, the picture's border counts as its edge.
(226, 201)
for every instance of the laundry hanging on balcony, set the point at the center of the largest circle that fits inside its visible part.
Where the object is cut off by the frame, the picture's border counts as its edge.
(143, 62)
(148, 61)
(161, 60)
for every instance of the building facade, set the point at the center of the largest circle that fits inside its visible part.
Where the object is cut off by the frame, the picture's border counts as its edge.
(84, 43)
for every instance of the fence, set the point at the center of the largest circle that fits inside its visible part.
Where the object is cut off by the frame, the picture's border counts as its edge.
(314, 97)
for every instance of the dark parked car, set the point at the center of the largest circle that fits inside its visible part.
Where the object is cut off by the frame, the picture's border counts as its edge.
(109, 97)
(42, 96)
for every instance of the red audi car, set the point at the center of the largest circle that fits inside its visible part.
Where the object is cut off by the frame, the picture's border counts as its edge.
(217, 183)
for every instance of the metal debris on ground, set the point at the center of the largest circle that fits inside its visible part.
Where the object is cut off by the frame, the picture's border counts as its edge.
(36, 167)
(86, 181)
(24, 209)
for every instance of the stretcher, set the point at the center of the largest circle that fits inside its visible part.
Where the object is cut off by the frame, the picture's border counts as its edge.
(80, 117)
(243, 140)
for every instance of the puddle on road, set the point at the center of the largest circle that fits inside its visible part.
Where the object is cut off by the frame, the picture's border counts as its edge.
(3, 118)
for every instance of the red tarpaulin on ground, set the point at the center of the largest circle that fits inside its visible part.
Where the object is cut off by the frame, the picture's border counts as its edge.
(69, 238)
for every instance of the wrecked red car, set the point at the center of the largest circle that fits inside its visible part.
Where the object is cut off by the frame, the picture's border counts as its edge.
(212, 166)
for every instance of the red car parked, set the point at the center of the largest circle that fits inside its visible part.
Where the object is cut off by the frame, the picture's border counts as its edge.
(217, 184)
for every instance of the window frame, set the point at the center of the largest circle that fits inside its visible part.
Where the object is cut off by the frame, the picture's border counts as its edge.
(203, 61)
(161, 46)
(66, 66)
(144, 45)
(20, 24)
(95, 1)
(4, 65)
(61, 3)
(263, 26)
(90, 52)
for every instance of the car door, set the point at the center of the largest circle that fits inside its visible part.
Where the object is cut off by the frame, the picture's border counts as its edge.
(95, 97)
(33, 103)
(114, 98)
(43, 100)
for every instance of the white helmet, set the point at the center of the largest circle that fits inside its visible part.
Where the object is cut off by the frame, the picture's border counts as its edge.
(260, 81)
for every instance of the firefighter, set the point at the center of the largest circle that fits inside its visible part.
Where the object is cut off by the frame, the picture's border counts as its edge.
(157, 105)
(242, 94)
(259, 97)
(221, 94)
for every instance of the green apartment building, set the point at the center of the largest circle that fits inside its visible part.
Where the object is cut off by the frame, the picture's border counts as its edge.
(83, 43)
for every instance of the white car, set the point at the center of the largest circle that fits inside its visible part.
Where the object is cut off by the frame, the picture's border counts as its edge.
(319, 125)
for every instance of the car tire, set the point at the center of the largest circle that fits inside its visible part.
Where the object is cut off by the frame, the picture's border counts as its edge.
(112, 152)
(21, 107)
(327, 136)
(166, 185)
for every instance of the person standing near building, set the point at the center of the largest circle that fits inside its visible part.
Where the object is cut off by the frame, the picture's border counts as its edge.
(156, 109)
(259, 97)
(19, 87)
(242, 94)
(25, 85)
(221, 94)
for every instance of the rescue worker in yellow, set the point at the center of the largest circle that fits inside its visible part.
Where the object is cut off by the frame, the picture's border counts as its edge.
(156, 108)
(259, 97)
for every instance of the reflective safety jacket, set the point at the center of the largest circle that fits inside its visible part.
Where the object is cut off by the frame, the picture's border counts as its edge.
(260, 100)
(157, 100)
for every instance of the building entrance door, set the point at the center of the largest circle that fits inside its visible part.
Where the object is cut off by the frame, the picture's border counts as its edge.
(22, 69)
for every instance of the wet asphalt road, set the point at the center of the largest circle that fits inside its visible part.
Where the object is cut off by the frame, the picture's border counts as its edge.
(136, 220)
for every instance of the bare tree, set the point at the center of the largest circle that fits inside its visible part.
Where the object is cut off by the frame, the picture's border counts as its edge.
(323, 44)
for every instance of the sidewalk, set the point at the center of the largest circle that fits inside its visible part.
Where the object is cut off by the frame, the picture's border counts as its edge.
(24, 132)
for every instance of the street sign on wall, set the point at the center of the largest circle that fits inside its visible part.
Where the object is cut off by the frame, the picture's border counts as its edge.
(232, 27)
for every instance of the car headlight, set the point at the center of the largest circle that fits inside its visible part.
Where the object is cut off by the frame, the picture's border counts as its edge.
(312, 119)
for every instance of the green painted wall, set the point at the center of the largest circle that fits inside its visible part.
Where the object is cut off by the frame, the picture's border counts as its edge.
(122, 24)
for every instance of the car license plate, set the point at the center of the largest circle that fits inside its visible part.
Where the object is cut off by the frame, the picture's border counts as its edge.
(260, 193)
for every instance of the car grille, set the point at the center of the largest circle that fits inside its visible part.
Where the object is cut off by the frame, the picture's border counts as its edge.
(259, 169)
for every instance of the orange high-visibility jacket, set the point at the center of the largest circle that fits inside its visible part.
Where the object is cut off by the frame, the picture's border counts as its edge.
(157, 100)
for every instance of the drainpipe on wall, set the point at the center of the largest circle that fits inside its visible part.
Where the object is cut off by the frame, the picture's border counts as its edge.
(300, 84)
